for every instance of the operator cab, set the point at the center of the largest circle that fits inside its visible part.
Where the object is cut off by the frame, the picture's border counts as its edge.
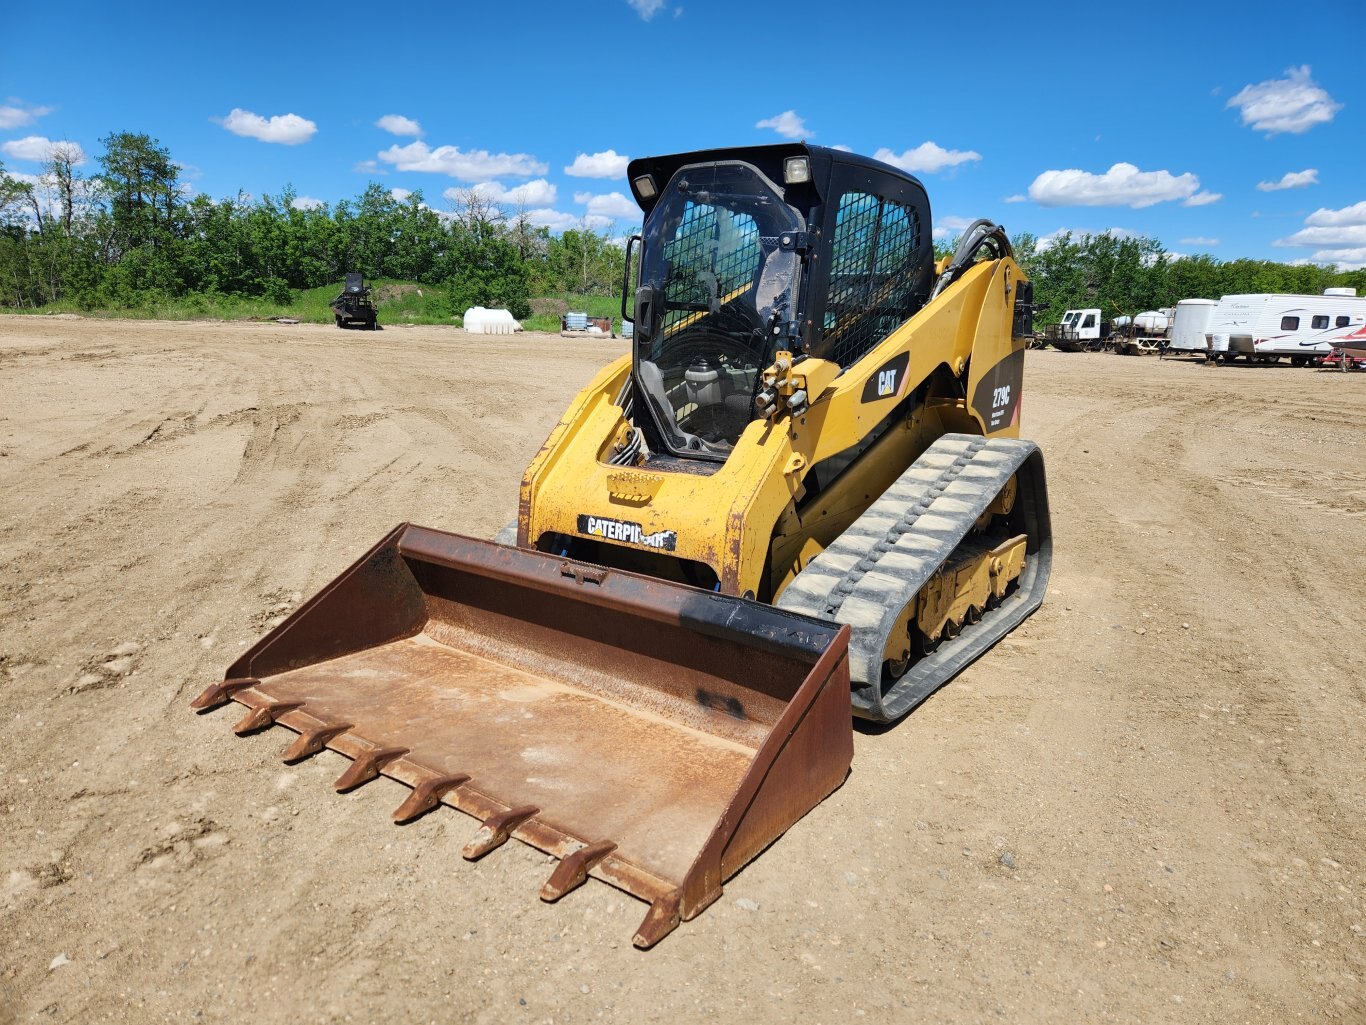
(748, 252)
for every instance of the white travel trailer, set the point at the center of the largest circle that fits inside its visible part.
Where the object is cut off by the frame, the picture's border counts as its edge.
(1190, 324)
(1267, 327)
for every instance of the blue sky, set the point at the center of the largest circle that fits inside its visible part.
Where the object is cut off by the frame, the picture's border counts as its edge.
(1171, 120)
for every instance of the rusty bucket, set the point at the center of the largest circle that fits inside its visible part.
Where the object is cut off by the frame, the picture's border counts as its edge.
(651, 735)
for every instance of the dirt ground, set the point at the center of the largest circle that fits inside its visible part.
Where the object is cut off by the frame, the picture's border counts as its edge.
(1148, 805)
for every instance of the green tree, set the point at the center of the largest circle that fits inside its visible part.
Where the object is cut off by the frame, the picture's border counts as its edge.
(142, 185)
(487, 270)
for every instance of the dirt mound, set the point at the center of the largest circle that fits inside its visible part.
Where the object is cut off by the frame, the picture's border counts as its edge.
(389, 293)
(552, 307)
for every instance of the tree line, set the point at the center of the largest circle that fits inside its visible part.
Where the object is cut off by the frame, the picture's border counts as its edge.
(131, 236)
(1130, 275)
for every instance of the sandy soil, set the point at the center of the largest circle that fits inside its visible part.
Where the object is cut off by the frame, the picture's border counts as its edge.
(1147, 805)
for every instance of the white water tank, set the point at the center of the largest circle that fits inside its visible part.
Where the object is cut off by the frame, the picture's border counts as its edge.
(1349, 292)
(1153, 322)
(479, 321)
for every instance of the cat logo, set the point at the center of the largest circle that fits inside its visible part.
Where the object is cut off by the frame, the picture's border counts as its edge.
(887, 380)
(625, 531)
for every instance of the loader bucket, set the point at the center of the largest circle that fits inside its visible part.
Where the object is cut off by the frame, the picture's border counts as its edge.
(651, 735)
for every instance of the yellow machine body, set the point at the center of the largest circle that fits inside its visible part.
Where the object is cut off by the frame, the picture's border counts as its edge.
(742, 521)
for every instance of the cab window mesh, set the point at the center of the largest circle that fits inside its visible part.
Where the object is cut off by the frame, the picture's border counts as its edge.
(872, 274)
(710, 242)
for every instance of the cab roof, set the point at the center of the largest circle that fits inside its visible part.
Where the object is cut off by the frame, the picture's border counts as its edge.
(769, 160)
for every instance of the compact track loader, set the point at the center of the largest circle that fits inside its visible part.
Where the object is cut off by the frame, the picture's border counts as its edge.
(801, 490)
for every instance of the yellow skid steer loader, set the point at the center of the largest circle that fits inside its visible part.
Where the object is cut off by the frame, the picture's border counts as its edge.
(801, 491)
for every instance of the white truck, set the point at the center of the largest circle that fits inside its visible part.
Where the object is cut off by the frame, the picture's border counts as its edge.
(1265, 327)
(1078, 330)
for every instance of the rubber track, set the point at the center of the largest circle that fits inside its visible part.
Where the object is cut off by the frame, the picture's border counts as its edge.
(877, 566)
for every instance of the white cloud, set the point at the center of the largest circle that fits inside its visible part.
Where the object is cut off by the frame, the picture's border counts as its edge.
(286, 129)
(1291, 180)
(1321, 218)
(607, 164)
(928, 157)
(787, 124)
(647, 9)
(1203, 199)
(16, 115)
(367, 167)
(1339, 236)
(40, 149)
(843, 148)
(1017, 198)
(400, 194)
(1199, 240)
(558, 220)
(552, 219)
(1122, 185)
(1292, 104)
(307, 203)
(48, 195)
(950, 226)
(397, 124)
(474, 165)
(1355, 256)
(612, 206)
(536, 193)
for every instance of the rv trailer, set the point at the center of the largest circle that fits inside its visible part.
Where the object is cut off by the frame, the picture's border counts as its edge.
(1264, 328)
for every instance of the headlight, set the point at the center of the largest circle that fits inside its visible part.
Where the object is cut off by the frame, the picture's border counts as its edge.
(796, 170)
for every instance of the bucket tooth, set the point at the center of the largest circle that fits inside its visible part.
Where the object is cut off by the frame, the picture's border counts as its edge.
(309, 743)
(367, 766)
(662, 919)
(221, 693)
(572, 871)
(264, 715)
(496, 830)
(427, 795)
